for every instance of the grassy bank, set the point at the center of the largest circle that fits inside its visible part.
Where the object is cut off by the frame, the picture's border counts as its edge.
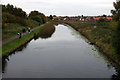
(46, 31)
(13, 45)
(15, 20)
(11, 29)
(100, 35)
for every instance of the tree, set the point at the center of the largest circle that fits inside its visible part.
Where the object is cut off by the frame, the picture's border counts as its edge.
(37, 16)
(13, 14)
(14, 11)
(116, 17)
(104, 15)
(51, 17)
(82, 16)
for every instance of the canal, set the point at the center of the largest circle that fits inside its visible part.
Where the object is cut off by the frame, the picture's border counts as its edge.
(66, 54)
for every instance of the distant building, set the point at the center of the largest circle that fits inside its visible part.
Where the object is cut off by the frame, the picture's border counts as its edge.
(85, 18)
(109, 18)
(56, 18)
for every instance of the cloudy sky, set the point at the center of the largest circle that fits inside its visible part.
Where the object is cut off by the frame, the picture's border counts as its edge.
(65, 7)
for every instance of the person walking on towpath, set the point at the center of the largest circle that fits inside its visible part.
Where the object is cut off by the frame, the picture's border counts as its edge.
(20, 35)
(15, 37)
(28, 29)
(24, 30)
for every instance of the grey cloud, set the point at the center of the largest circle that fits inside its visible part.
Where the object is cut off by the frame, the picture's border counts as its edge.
(65, 7)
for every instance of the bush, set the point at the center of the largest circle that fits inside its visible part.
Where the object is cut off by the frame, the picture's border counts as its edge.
(116, 35)
(31, 23)
(116, 39)
(37, 16)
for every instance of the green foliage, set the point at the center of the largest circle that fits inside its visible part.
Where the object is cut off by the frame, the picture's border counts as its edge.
(116, 12)
(31, 23)
(14, 11)
(51, 17)
(14, 19)
(113, 24)
(37, 16)
(12, 14)
(9, 18)
(116, 39)
(47, 30)
(10, 29)
(101, 36)
(13, 45)
(116, 35)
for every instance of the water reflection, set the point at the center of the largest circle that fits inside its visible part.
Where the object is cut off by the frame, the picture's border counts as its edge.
(4, 63)
(6, 58)
(43, 34)
(62, 55)
(100, 56)
(76, 33)
(116, 76)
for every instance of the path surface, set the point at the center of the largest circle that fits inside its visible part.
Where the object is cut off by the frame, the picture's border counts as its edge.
(17, 36)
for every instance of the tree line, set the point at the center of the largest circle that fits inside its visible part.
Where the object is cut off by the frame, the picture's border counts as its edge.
(13, 14)
(116, 17)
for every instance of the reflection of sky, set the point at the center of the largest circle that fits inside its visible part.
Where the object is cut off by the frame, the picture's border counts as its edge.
(61, 35)
(70, 38)
(66, 36)
(61, 56)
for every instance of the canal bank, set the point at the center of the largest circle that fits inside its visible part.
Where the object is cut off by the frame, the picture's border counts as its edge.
(18, 42)
(101, 41)
(65, 54)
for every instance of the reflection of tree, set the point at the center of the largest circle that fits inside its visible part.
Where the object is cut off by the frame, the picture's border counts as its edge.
(100, 56)
(6, 58)
(4, 63)
(117, 75)
(22, 47)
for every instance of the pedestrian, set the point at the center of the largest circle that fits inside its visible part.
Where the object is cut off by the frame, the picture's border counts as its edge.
(20, 35)
(23, 30)
(28, 29)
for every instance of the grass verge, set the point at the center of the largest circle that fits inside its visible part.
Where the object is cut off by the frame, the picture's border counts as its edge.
(100, 35)
(15, 44)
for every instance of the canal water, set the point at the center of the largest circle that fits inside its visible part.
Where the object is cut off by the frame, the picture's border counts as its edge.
(66, 54)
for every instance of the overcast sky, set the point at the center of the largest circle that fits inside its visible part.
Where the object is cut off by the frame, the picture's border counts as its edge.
(65, 7)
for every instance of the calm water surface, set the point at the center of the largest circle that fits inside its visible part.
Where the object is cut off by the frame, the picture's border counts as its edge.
(66, 54)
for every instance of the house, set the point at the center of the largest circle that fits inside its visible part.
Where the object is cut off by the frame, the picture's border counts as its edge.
(89, 18)
(108, 18)
(56, 18)
(96, 18)
(82, 18)
(85, 18)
